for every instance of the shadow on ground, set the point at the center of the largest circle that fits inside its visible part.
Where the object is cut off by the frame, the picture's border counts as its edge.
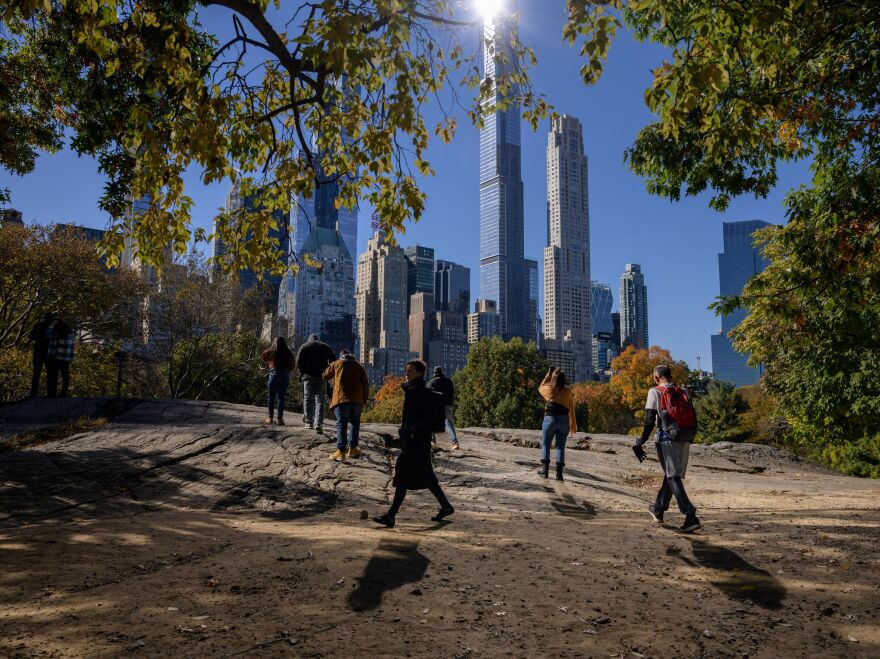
(393, 564)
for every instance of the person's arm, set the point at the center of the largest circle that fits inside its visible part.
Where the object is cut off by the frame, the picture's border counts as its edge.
(547, 377)
(329, 372)
(650, 422)
(546, 390)
(572, 417)
(365, 386)
(298, 359)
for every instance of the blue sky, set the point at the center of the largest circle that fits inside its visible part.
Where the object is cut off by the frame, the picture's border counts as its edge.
(675, 243)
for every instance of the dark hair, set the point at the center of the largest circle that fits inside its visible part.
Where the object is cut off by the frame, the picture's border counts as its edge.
(417, 364)
(281, 354)
(560, 379)
(663, 371)
(59, 328)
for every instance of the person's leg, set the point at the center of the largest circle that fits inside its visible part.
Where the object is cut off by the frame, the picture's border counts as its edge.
(307, 401)
(320, 402)
(281, 392)
(399, 494)
(561, 432)
(354, 421)
(546, 438)
(676, 486)
(51, 377)
(664, 494)
(64, 369)
(341, 412)
(437, 491)
(450, 423)
(271, 396)
(37, 362)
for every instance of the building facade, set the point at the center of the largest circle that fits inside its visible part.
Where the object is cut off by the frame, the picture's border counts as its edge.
(448, 347)
(484, 322)
(503, 277)
(323, 301)
(633, 308)
(567, 288)
(382, 321)
(532, 327)
(419, 270)
(452, 287)
(604, 346)
(319, 211)
(739, 262)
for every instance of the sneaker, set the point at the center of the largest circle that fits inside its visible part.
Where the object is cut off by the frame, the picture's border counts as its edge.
(443, 512)
(454, 446)
(656, 515)
(385, 520)
(319, 430)
(691, 524)
(354, 452)
(280, 422)
(338, 455)
(306, 423)
(268, 421)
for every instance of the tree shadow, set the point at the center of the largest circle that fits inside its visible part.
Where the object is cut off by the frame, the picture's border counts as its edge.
(737, 578)
(393, 564)
(569, 507)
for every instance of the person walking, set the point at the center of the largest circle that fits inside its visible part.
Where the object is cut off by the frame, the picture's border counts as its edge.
(351, 388)
(559, 419)
(40, 335)
(413, 469)
(280, 360)
(312, 359)
(443, 385)
(669, 407)
(59, 354)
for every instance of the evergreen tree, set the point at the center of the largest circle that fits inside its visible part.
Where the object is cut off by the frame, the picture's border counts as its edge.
(718, 414)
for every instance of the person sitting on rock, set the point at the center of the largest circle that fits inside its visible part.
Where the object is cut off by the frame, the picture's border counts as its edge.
(559, 419)
(351, 389)
(422, 409)
(280, 359)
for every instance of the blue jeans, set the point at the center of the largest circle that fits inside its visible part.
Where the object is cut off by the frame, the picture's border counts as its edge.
(554, 426)
(348, 418)
(449, 417)
(278, 383)
(314, 396)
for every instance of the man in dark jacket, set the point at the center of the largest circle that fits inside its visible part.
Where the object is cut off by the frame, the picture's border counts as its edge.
(443, 385)
(312, 360)
(40, 336)
(413, 470)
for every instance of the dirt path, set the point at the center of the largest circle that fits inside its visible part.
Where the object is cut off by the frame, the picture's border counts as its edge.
(186, 529)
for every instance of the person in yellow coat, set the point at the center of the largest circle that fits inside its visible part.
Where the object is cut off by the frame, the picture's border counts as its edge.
(559, 419)
(350, 391)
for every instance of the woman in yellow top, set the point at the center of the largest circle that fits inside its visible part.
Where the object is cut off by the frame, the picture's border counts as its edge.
(559, 419)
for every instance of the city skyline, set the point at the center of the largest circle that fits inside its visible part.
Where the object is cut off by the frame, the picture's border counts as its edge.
(626, 220)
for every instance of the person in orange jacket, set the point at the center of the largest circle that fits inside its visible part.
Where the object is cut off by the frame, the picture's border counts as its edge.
(559, 419)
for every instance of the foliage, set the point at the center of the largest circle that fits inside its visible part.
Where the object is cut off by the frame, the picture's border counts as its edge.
(606, 411)
(498, 387)
(762, 419)
(388, 402)
(633, 370)
(53, 269)
(718, 414)
(303, 94)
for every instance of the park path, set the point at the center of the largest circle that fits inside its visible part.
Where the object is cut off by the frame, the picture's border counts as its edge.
(188, 528)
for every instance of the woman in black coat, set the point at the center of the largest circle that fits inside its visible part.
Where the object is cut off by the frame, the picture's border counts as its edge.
(414, 470)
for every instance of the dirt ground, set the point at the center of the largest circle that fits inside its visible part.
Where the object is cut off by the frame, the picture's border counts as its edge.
(187, 529)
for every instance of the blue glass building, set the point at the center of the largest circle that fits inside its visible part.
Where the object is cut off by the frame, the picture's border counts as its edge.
(739, 262)
(503, 275)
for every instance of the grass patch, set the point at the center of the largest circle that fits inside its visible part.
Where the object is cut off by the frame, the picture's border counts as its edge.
(52, 433)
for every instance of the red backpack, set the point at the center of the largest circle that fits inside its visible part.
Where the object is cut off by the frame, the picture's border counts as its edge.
(678, 419)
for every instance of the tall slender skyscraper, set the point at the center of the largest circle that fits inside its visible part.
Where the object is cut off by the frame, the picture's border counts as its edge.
(567, 255)
(739, 262)
(633, 307)
(502, 270)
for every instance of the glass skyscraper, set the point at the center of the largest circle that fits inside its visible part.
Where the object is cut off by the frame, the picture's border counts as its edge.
(633, 307)
(503, 277)
(419, 271)
(452, 287)
(739, 262)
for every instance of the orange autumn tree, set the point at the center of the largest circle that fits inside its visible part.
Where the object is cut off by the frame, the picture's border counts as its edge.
(633, 371)
(388, 405)
(605, 409)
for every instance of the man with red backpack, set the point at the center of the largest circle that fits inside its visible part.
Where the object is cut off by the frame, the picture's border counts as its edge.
(669, 406)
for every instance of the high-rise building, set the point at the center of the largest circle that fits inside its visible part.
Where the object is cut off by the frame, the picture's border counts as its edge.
(452, 287)
(532, 325)
(383, 330)
(484, 322)
(502, 269)
(739, 262)
(419, 270)
(633, 307)
(280, 233)
(421, 312)
(448, 347)
(615, 331)
(319, 210)
(323, 301)
(604, 346)
(567, 255)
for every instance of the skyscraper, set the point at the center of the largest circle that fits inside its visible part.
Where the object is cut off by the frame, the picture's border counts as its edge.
(452, 287)
(381, 309)
(502, 268)
(633, 307)
(531, 326)
(323, 301)
(567, 255)
(484, 322)
(739, 262)
(604, 346)
(419, 270)
(319, 210)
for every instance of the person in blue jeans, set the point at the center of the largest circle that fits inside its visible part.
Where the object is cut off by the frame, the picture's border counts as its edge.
(350, 391)
(559, 419)
(280, 360)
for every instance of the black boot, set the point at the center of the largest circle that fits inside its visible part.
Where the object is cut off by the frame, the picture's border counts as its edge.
(545, 468)
(559, 466)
